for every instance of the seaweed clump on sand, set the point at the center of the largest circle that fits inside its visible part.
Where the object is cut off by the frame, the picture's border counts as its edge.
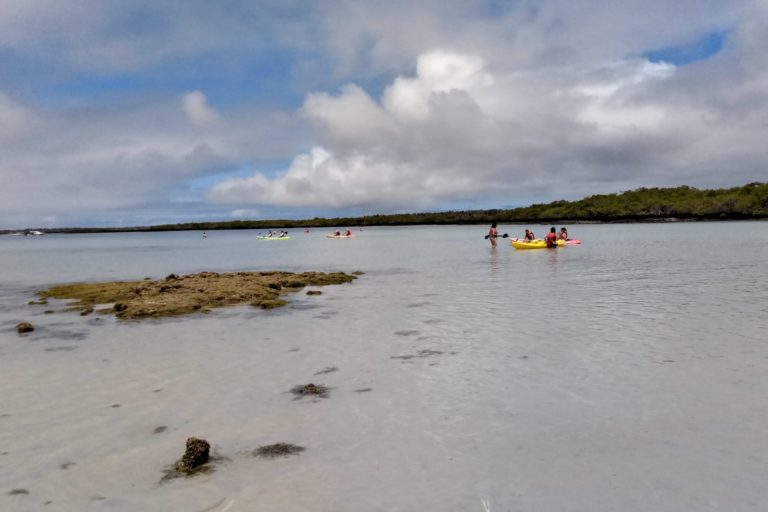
(310, 390)
(185, 294)
(277, 450)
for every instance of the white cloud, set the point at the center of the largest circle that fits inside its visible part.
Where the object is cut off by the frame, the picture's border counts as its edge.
(321, 179)
(244, 213)
(197, 110)
(456, 130)
(88, 162)
(17, 120)
(436, 72)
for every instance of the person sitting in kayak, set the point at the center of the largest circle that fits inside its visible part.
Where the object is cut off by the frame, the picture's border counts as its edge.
(338, 233)
(563, 234)
(551, 238)
(493, 234)
(347, 232)
(529, 236)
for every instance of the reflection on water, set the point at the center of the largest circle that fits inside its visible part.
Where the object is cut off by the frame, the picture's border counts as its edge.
(574, 378)
(494, 260)
(552, 257)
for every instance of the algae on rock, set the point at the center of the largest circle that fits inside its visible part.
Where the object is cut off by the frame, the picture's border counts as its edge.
(181, 295)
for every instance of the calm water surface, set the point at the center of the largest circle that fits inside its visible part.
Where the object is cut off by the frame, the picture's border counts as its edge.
(628, 373)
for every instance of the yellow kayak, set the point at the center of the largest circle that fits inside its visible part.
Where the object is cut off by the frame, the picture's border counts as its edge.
(535, 244)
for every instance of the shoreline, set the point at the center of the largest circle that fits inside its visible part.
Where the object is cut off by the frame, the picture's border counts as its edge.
(290, 225)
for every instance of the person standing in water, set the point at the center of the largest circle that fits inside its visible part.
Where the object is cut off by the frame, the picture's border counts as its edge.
(551, 238)
(493, 234)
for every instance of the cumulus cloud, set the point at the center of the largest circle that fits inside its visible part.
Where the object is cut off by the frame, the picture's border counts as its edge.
(457, 130)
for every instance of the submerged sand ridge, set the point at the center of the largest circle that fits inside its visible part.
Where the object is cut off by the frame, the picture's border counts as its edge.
(185, 294)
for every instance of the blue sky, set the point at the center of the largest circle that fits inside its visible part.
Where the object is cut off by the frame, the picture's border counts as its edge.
(705, 47)
(120, 114)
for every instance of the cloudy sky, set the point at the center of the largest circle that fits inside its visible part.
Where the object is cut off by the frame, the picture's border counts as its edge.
(143, 112)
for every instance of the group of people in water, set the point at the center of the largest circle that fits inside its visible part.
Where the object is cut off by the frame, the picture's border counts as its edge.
(551, 239)
(283, 234)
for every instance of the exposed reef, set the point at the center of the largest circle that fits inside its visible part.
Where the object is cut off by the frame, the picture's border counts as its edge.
(182, 295)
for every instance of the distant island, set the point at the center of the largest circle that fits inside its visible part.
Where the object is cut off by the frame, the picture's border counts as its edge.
(749, 202)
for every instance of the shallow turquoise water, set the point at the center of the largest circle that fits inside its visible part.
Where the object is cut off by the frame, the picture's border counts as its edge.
(623, 374)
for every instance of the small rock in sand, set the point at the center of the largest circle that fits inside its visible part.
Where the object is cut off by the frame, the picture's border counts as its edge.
(23, 327)
(195, 456)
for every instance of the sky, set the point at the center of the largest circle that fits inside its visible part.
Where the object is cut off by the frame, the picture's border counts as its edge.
(118, 113)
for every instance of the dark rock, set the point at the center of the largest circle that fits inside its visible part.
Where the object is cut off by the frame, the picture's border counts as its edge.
(195, 456)
(159, 430)
(314, 292)
(358, 273)
(270, 304)
(119, 307)
(171, 277)
(16, 492)
(310, 390)
(23, 327)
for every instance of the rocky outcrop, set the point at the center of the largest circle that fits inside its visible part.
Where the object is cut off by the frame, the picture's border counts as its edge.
(185, 294)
